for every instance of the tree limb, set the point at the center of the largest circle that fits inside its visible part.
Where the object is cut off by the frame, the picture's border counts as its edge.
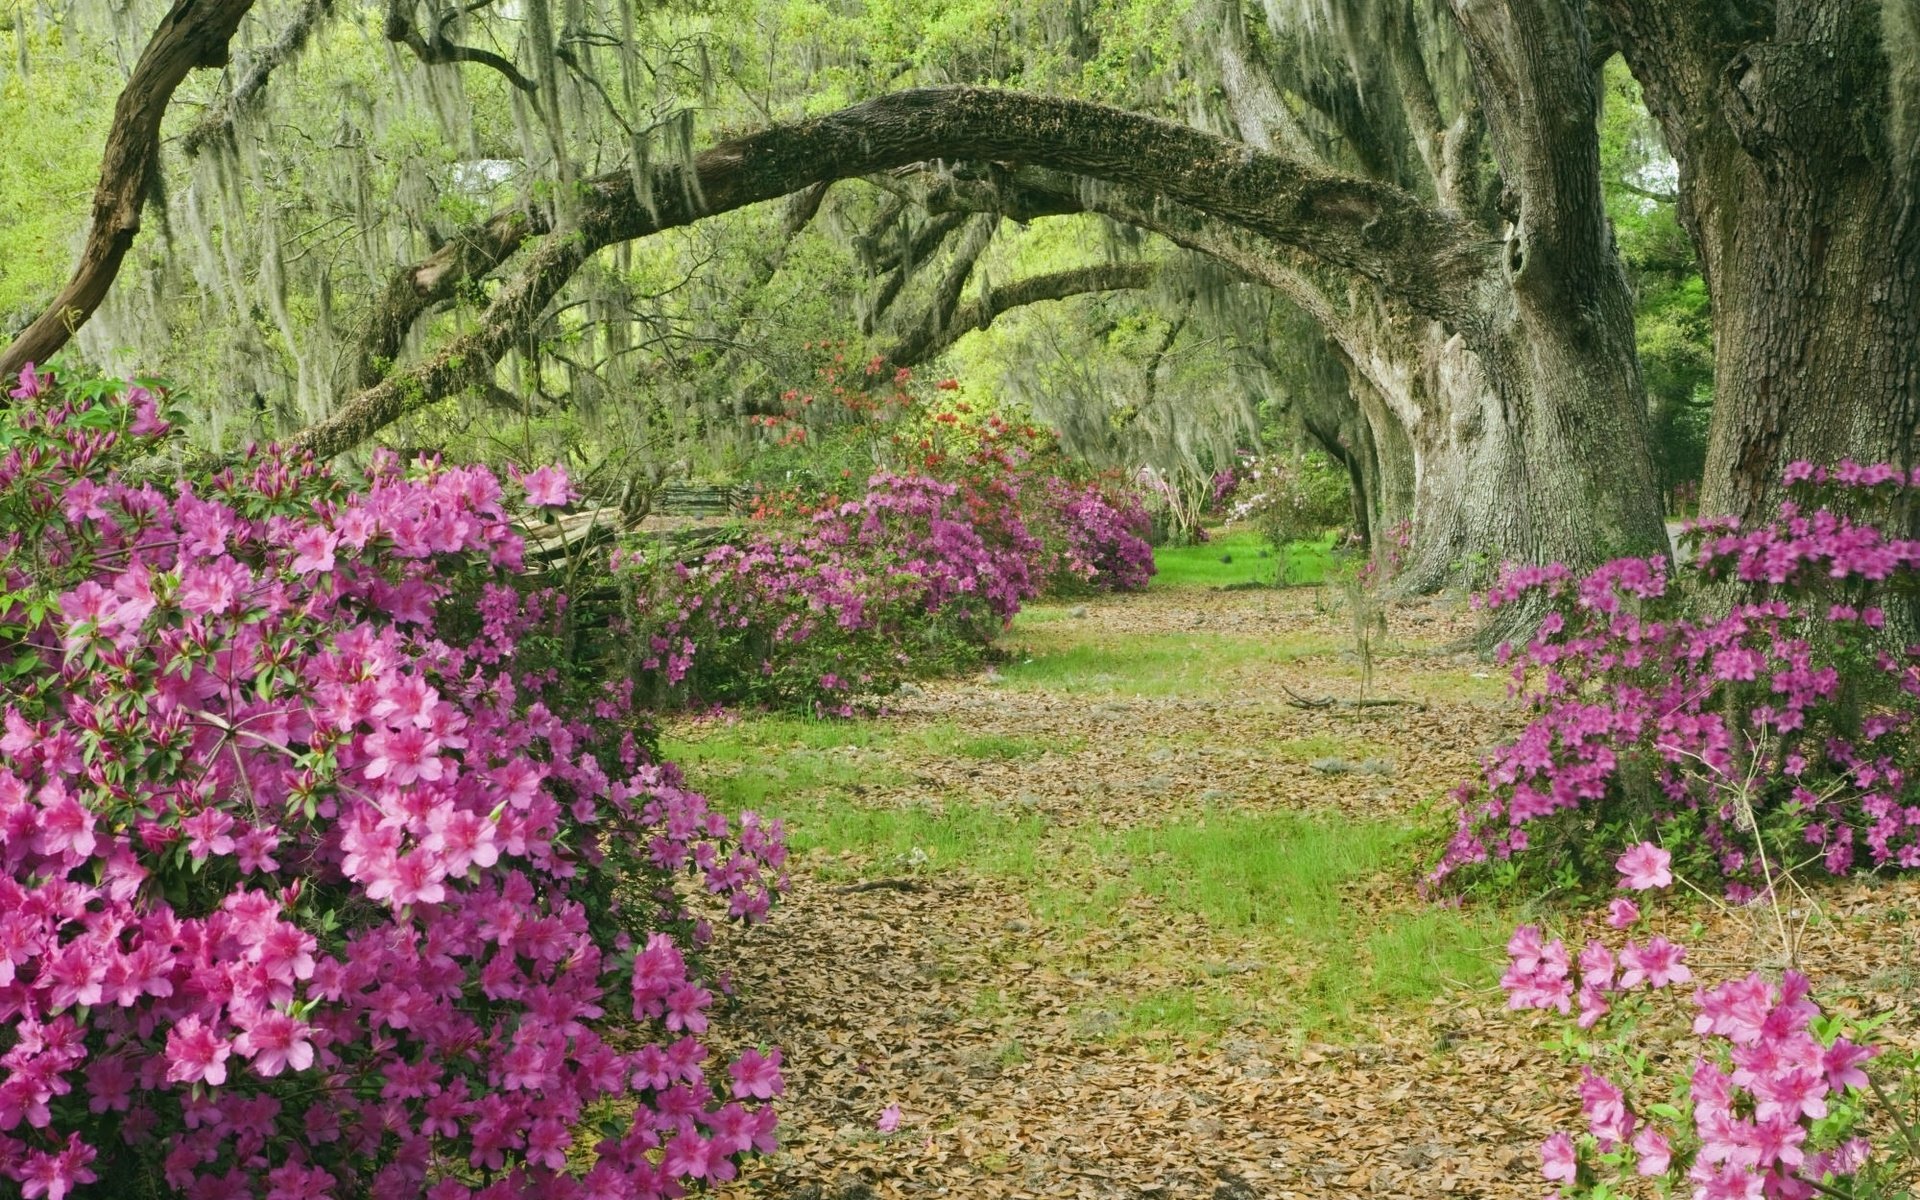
(441, 50)
(193, 34)
(1151, 384)
(917, 345)
(925, 342)
(218, 120)
(899, 265)
(1431, 259)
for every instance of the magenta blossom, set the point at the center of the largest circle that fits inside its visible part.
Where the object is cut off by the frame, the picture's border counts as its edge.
(1644, 867)
(1558, 1160)
(548, 487)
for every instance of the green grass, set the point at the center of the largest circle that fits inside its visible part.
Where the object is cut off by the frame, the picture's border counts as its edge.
(1240, 557)
(1271, 871)
(1187, 1013)
(1425, 953)
(1154, 664)
(1279, 882)
(918, 837)
(766, 764)
(1001, 747)
(818, 777)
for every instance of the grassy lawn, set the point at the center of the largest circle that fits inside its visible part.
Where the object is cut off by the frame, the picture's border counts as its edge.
(1207, 919)
(1239, 558)
(1060, 658)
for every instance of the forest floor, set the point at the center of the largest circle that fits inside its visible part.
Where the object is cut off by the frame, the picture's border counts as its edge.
(1118, 918)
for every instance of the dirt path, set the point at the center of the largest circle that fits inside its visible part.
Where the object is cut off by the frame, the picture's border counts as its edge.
(1067, 1022)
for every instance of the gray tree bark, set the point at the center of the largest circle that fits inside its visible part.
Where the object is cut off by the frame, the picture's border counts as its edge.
(1796, 126)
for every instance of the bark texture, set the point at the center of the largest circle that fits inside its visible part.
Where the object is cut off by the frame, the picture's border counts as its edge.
(194, 33)
(1796, 126)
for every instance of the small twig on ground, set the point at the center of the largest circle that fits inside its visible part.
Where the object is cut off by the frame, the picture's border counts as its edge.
(1300, 701)
(875, 885)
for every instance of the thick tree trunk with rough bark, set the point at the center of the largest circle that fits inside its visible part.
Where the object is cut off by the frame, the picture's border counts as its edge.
(1796, 127)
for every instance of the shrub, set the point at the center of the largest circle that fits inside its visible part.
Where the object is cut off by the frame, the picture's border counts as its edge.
(910, 577)
(1092, 538)
(325, 875)
(1290, 498)
(1775, 726)
(1772, 1103)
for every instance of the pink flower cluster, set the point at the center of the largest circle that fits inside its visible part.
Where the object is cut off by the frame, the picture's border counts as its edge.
(1093, 539)
(319, 877)
(1765, 1077)
(1781, 720)
(846, 604)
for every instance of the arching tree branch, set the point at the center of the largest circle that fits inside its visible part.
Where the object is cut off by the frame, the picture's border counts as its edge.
(928, 339)
(193, 34)
(1430, 259)
(441, 50)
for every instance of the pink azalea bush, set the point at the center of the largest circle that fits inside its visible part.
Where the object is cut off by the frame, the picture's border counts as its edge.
(1092, 538)
(1770, 1105)
(1775, 725)
(322, 873)
(823, 609)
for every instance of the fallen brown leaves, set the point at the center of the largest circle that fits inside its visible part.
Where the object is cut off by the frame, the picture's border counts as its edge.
(990, 1026)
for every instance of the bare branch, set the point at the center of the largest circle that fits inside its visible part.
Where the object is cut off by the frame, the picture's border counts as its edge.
(442, 50)
(218, 120)
(193, 34)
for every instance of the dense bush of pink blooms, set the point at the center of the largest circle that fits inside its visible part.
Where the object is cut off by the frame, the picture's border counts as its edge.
(1759, 705)
(1092, 538)
(1769, 1106)
(917, 575)
(322, 873)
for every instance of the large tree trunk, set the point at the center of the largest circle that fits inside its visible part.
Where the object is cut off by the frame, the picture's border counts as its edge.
(1797, 132)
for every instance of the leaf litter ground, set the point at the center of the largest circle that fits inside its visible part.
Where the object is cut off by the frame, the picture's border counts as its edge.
(1116, 918)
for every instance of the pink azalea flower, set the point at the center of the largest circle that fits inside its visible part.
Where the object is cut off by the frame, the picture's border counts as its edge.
(1842, 1064)
(275, 1043)
(757, 1076)
(1622, 913)
(1791, 1093)
(195, 1054)
(1559, 1163)
(32, 384)
(1658, 964)
(313, 550)
(66, 827)
(1645, 866)
(401, 756)
(54, 1176)
(689, 1156)
(1652, 1153)
(889, 1119)
(548, 487)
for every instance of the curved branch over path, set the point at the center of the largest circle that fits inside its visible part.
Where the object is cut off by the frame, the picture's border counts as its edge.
(193, 34)
(930, 338)
(1431, 260)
